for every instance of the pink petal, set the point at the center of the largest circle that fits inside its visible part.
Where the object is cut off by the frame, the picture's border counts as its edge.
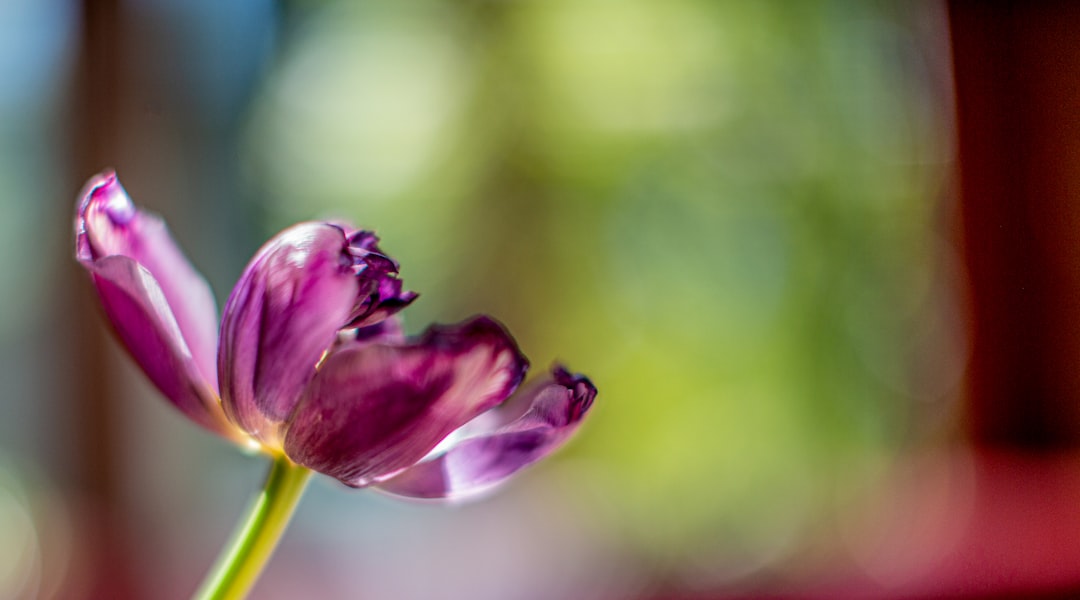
(140, 315)
(502, 441)
(376, 408)
(282, 316)
(108, 224)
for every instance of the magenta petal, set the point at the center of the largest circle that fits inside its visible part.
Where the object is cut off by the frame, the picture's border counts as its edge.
(380, 291)
(140, 314)
(503, 441)
(376, 408)
(108, 224)
(281, 318)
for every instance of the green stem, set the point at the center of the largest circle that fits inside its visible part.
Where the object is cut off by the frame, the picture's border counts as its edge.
(254, 541)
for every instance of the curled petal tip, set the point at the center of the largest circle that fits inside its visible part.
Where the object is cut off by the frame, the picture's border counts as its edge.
(103, 205)
(482, 329)
(534, 423)
(582, 390)
(105, 194)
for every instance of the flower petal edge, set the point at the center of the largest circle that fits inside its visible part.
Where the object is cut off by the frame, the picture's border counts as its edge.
(503, 444)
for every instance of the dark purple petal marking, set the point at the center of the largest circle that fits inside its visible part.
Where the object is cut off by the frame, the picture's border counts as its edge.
(282, 316)
(376, 408)
(108, 224)
(380, 291)
(387, 331)
(137, 308)
(502, 441)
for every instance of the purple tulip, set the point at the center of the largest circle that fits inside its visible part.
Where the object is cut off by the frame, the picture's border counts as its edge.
(311, 361)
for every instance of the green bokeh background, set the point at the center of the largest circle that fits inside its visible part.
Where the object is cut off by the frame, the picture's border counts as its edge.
(726, 213)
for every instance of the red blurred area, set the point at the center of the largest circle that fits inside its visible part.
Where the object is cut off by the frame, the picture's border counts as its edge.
(996, 524)
(1017, 73)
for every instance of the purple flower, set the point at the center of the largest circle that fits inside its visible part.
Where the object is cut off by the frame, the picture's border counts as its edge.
(311, 361)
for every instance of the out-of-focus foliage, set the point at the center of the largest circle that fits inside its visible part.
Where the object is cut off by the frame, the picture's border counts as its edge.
(724, 211)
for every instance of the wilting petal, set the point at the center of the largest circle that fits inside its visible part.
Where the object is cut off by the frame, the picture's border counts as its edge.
(504, 440)
(380, 291)
(376, 408)
(139, 312)
(281, 318)
(108, 224)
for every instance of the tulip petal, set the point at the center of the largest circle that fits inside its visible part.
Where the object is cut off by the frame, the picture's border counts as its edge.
(376, 408)
(502, 441)
(380, 291)
(282, 316)
(140, 313)
(108, 224)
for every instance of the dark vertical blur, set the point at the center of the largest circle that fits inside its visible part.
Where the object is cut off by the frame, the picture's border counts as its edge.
(158, 94)
(93, 466)
(1017, 71)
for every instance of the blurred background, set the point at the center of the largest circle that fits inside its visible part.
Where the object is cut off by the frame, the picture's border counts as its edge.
(823, 371)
